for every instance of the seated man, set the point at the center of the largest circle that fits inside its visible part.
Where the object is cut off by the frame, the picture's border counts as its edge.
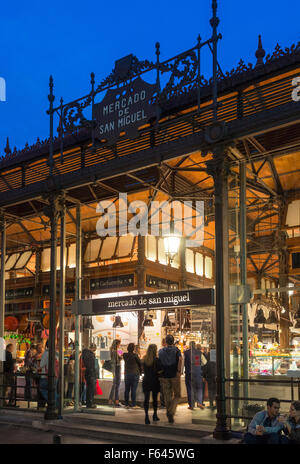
(265, 427)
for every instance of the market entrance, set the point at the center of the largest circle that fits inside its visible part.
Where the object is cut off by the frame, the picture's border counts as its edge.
(120, 324)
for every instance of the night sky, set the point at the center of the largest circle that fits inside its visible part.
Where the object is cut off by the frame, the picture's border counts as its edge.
(70, 39)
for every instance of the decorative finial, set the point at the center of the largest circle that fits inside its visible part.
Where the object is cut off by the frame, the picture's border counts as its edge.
(7, 149)
(92, 78)
(51, 96)
(260, 53)
(157, 46)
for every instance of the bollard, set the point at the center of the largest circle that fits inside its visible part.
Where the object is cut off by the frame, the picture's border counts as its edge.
(57, 439)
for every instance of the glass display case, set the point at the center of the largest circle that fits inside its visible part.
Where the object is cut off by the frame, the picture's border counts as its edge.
(264, 363)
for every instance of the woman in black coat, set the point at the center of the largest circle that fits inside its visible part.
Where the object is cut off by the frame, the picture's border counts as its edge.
(151, 381)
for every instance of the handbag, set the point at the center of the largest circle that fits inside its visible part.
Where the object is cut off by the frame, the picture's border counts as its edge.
(98, 388)
(108, 365)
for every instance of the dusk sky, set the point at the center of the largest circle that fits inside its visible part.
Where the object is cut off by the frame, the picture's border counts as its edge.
(70, 39)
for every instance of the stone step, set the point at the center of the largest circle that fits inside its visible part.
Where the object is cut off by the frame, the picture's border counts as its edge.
(174, 429)
(119, 434)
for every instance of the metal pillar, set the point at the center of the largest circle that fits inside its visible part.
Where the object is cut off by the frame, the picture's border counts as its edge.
(2, 296)
(52, 211)
(243, 266)
(140, 270)
(218, 168)
(62, 292)
(77, 297)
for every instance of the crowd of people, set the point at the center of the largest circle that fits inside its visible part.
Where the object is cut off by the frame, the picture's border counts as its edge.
(36, 371)
(161, 372)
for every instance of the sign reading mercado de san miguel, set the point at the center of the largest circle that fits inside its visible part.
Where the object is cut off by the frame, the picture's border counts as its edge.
(125, 109)
(165, 300)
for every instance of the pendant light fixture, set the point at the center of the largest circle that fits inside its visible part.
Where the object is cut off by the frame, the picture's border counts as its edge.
(171, 241)
(166, 322)
(260, 318)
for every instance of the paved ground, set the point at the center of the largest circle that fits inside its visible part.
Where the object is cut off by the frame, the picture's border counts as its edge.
(12, 434)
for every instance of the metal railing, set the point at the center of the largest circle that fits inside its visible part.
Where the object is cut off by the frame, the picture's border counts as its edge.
(238, 401)
(28, 390)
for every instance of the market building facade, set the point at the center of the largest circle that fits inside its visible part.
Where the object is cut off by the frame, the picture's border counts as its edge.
(219, 159)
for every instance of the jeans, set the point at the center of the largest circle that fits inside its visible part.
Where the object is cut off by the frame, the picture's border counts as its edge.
(44, 389)
(114, 393)
(194, 387)
(212, 391)
(171, 391)
(131, 383)
(69, 395)
(83, 393)
(90, 389)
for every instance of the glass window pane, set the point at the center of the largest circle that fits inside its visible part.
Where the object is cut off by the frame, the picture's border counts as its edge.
(189, 257)
(23, 259)
(108, 247)
(151, 247)
(199, 264)
(208, 267)
(72, 255)
(11, 261)
(92, 250)
(125, 245)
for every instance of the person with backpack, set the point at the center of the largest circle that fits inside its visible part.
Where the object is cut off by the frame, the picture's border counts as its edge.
(170, 360)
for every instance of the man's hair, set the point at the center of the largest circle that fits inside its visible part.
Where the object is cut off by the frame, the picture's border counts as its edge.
(9, 345)
(93, 346)
(131, 347)
(169, 339)
(272, 400)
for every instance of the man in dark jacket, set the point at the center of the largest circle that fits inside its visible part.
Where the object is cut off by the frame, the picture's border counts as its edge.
(170, 361)
(210, 374)
(9, 379)
(89, 361)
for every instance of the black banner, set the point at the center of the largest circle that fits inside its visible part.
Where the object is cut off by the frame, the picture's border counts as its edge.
(199, 297)
(158, 282)
(16, 293)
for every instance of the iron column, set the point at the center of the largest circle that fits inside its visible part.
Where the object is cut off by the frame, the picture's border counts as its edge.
(218, 168)
(243, 264)
(2, 295)
(62, 304)
(52, 211)
(77, 298)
